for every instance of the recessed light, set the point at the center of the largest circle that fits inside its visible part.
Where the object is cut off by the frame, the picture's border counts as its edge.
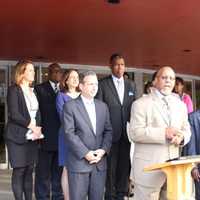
(113, 1)
(187, 50)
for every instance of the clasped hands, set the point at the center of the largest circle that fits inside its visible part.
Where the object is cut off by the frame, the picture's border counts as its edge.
(37, 131)
(174, 135)
(94, 156)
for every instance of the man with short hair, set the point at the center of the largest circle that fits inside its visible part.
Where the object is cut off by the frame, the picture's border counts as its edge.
(118, 93)
(88, 134)
(158, 127)
(48, 173)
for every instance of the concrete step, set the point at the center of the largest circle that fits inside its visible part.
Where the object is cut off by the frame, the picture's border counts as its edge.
(5, 186)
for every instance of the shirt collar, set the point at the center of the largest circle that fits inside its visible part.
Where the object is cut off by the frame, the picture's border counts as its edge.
(87, 101)
(161, 96)
(53, 84)
(115, 79)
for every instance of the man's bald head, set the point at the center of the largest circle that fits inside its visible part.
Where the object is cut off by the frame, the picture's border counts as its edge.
(165, 68)
(165, 80)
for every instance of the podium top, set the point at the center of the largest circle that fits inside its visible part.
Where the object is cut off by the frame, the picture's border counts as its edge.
(178, 161)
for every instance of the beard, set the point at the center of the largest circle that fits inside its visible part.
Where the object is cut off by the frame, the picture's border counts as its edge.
(166, 92)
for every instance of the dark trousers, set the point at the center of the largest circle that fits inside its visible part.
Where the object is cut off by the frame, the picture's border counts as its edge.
(197, 190)
(48, 176)
(118, 173)
(22, 182)
(83, 186)
(197, 187)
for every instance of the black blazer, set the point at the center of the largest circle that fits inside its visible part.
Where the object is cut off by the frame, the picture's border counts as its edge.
(50, 121)
(18, 116)
(119, 114)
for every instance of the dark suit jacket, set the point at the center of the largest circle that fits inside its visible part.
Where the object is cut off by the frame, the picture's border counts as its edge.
(193, 147)
(80, 136)
(50, 121)
(119, 114)
(18, 116)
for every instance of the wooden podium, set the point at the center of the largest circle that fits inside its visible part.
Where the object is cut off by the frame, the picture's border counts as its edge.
(178, 172)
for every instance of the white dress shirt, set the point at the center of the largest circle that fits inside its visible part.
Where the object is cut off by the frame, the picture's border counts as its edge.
(31, 103)
(90, 107)
(119, 85)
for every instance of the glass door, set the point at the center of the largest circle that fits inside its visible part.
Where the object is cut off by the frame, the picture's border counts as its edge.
(3, 116)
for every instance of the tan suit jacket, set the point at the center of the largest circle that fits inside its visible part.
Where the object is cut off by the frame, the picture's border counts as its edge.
(147, 130)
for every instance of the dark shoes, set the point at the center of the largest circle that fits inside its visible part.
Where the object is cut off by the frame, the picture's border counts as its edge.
(130, 189)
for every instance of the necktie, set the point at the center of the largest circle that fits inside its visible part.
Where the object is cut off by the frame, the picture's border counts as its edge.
(173, 151)
(167, 109)
(120, 90)
(56, 88)
(166, 103)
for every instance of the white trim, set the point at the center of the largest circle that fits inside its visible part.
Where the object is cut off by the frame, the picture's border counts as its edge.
(5, 69)
(106, 69)
(4, 165)
(98, 68)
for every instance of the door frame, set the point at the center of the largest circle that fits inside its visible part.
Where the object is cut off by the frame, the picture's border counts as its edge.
(5, 69)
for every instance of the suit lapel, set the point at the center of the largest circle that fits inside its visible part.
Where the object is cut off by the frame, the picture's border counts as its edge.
(173, 111)
(21, 94)
(113, 88)
(98, 117)
(50, 89)
(84, 113)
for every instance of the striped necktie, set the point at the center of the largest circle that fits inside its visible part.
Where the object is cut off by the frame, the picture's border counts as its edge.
(56, 88)
(167, 109)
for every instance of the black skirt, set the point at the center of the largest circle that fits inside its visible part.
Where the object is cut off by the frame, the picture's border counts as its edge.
(22, 155)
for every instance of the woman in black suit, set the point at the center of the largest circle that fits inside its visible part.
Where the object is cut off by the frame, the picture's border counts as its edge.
(22, 130)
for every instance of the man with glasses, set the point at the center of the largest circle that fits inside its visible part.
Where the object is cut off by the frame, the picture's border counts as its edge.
(158, 127)
(48, 173)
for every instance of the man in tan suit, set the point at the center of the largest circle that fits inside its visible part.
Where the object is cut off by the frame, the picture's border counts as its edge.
(158, 127)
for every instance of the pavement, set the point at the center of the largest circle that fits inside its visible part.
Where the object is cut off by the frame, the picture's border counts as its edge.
(5, 186)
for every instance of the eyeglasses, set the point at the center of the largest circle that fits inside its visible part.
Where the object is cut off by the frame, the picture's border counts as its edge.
(171, 78)
(90, 84)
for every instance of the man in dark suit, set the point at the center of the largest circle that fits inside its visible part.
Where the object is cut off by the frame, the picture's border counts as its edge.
(48, 173)
(89, 136)
(193, 148)
(118, 94)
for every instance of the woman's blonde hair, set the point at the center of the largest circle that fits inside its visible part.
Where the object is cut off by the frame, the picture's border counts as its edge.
(20, 68)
